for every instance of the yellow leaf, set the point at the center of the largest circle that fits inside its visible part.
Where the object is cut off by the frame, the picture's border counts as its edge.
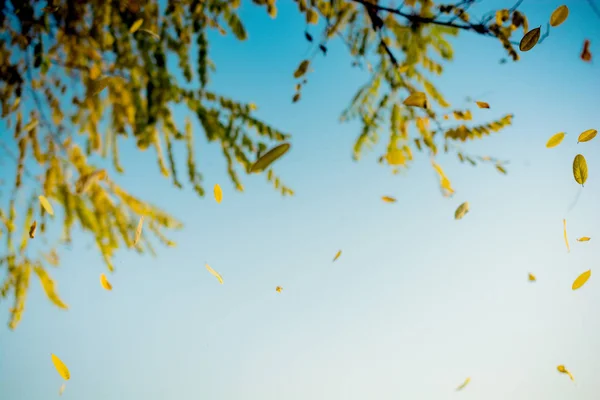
(312, 17)
(136, 25)
(337, 255)
(417, 99)
(581, 279)
(388, 199)
(62, 389)
(218, 193)
(278, 289)
(532, 278)
(62, 369)
(302, 68)
(138, 231)
(563, 370)
(104, 282)
(465, 383)
(49, 287)
(530, 39)
(586, 136)
(580, 169)
(565, 234)
(482, 104)
(215, 273)
(94, 72)
(461, 210)
(32, 229)
(149, 32)
(46, 204)
(85, 181)
(559, 16)
(395, 157)
(269, 157)
(583, 239)
(555, 140)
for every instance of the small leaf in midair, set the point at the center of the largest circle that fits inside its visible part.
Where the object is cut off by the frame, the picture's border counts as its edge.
(388, 199)
(136, 25)
(461, 210)
(482, 104)
(559, 16)
(32, 229)
(417, 99)
(337, 255)
(296, 97)
(138, 231)
(62, 389)
(214, 273)
(62, 369)
(555, 140)
(580, 169)
(152, 34)
(46, 204)
(464, 384)
(587, 135)
(104, 282)
(581, 279)
(278, 289)
(565, 235)
(269, 157)
(302, 68)
(308, 36)
(586, 55)
(584, 239)
(530, 39)
(218, 193)
(532, 277)
(563, 370)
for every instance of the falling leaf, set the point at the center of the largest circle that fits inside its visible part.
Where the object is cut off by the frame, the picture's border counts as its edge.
(104, 282)
(388, 199)
(586, 55)
(580, 169)
(565, 235)
(417, 99)
(461, 210)
(138, 231)
(62, 389)
(215, 273)
(302, 68)
(46, 204)
(583, 239)
(482, 104)
(149, 32)
(269, 157)
(465, 383)
(278, 289)
(32, 229)
(296, 97)
(586, 136)
(136, 25)
(532, 277)
(581, 279)
(337, 255)
(530, 39)
(555, 140)
(559, 16)
(563, 370)
(62, 369)
(218, 193)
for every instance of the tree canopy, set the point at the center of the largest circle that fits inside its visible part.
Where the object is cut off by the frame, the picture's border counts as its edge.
(80, 78)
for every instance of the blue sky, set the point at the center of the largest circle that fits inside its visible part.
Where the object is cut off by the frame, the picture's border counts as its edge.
(416, 303)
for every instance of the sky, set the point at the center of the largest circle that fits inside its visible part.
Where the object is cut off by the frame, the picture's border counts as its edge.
(416, 303)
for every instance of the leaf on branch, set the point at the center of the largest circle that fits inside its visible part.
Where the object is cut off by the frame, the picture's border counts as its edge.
(530, 39)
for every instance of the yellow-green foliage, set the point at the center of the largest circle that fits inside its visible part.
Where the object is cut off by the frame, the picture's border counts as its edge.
(80, 78)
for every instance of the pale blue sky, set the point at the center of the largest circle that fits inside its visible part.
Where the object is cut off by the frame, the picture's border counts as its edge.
(417, 301)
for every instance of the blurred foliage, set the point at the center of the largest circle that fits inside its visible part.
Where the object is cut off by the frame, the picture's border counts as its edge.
(80, 78)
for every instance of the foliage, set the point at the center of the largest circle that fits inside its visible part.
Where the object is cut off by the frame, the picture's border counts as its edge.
(80, 78)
